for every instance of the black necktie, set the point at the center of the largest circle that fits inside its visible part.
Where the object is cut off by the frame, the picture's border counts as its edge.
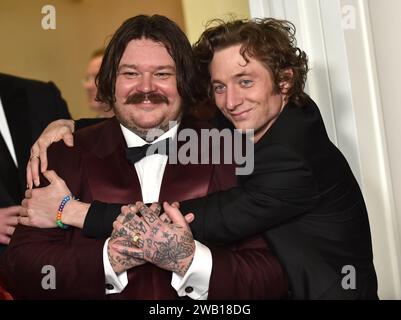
(135, 154)
(9, 172)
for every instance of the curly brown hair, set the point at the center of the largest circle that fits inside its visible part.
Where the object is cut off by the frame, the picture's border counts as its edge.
(268, 40)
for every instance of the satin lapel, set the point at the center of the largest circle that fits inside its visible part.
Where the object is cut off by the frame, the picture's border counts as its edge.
(16, 108)
(110, 175)
(112, 179)
(182, 182)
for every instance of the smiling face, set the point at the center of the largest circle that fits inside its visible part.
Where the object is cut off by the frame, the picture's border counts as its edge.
(146, 87)
(244, 91)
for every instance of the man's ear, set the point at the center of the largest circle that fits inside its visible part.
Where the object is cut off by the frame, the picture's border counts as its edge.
(286, 76)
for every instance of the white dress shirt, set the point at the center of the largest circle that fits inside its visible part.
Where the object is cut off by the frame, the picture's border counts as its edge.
(150, 171)
(5, 132)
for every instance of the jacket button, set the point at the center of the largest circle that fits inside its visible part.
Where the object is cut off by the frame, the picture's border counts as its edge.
(189, 289)
(109, 286)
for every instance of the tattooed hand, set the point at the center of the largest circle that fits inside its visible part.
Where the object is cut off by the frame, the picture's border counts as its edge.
(121, 259)
(167, 245)
(189, 217)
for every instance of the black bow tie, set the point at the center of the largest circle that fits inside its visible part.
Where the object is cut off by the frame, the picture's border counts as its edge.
(135, 154)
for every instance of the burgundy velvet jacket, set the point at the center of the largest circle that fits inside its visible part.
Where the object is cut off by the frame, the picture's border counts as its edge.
(96, 169)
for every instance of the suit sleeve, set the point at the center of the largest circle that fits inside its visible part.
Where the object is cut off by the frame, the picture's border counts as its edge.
(248, 269)
(56, 263)
(45, 104)
(94, 226)
(83, 123)
(43, 264)
(280, 188)
(60, 106)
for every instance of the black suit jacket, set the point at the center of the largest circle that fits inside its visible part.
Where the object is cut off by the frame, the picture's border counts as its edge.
(303, 196)
(29, 107)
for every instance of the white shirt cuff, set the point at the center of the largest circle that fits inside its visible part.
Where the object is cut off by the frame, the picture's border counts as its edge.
(195, 283)
(114, 283)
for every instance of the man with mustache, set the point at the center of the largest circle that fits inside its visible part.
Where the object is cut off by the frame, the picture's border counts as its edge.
(148, 76)
(153, 98)
(302, 194)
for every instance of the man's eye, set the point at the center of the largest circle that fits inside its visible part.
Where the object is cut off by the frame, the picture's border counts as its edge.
(129, 74)
(218, 88)
(163, 75)
(246, 83)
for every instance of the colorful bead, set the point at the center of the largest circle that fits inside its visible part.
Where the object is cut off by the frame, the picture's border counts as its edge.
(59, 223)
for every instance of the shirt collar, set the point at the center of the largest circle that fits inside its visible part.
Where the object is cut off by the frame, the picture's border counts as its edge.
(133, 140)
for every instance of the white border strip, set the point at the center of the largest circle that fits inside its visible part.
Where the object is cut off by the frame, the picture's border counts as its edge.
(382, 155)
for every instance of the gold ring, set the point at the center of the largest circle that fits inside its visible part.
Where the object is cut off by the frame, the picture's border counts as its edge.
(136, 239)
(34, 156)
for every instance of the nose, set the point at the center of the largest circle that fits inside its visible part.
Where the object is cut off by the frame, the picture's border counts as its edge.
(233, 98)
(146, 84)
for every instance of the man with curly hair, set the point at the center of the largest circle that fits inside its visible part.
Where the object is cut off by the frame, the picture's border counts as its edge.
(302, 195)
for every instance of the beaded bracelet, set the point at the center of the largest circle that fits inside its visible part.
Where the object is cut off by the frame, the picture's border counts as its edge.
(59, 223)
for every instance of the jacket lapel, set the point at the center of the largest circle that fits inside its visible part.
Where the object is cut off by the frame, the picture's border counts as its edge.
(16, 109)
(112, 178)
(182, 182)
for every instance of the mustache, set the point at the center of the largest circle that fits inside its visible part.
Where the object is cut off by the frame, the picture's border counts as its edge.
(153, 97)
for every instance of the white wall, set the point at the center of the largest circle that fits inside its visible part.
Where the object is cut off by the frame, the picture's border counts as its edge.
(386, 32)
(377, 180)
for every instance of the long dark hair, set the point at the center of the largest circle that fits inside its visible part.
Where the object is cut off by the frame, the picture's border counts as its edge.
(159, 29)
(268, 40)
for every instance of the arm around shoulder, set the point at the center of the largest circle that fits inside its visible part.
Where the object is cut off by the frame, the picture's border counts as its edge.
(281, 187)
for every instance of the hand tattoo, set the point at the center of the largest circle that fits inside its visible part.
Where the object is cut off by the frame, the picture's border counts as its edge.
(169, 246)
(125, 260)
(128, 217)
(172, 250)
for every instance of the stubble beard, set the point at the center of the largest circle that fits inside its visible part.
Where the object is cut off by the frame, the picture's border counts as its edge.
(147, 134)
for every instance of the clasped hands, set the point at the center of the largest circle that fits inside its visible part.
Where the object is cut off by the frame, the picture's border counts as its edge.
(164, 241)
(140, 235)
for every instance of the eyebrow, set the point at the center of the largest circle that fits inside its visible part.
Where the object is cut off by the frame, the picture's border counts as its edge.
(133, 66)
(236, 76)
(239, 75)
